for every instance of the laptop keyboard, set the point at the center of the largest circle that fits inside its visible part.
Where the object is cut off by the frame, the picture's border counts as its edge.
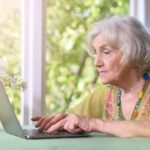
(34, 133)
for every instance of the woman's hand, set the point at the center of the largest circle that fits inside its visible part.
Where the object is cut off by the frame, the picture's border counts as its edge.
(74, 124)
(45, 122)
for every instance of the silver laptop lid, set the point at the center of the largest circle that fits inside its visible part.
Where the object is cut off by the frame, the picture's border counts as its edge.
(7, 115)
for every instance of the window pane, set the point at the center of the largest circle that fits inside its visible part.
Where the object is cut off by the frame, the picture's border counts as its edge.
(70, 71)
(10, 45)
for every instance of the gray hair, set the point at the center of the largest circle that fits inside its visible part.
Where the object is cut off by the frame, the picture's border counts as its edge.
(129, 36)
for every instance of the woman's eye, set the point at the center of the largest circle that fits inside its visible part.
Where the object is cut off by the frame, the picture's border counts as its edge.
(106, 52)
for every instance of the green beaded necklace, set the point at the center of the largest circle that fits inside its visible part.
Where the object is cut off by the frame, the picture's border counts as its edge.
(140, 97)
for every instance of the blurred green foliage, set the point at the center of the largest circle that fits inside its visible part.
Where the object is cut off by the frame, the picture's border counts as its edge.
(70, 71)
(10, 50)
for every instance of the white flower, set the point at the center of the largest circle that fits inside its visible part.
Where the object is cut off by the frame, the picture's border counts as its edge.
(12, 81)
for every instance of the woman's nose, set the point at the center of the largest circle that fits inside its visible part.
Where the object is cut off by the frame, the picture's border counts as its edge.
(98, 61)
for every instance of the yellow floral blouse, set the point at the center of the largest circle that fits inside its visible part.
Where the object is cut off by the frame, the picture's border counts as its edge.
(102, 103)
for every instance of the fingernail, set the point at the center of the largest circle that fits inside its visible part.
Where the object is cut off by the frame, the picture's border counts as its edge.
(49, 131)
(40, 129)
(36, 125)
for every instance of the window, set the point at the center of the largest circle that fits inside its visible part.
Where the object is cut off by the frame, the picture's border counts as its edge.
(70, 74)
(10, 45)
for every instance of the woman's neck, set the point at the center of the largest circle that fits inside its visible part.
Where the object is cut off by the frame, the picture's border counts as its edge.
(132, 83)
(133, 86)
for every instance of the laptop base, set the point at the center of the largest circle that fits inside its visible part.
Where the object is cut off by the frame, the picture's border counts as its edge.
(35, 134)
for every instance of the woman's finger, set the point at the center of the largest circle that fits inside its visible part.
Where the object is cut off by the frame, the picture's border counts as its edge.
(39, 123)
(37, 118)
(59, 125)
(46, 122)
(55, 119)
(72, 128)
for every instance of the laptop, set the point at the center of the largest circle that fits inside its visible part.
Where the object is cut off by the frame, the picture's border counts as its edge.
(12, 126)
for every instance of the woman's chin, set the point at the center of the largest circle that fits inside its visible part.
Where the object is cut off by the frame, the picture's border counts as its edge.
(105, 81)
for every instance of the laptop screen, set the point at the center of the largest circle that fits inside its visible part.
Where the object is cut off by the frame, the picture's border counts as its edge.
(7, 115)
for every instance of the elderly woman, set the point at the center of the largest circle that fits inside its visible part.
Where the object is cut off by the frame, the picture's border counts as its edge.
(121, 105)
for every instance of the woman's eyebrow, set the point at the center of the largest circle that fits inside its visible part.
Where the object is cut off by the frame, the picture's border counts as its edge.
(100, 47)
(103, 46)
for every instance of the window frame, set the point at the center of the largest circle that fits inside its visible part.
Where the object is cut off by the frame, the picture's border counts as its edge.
(33, 58)
(34, 52)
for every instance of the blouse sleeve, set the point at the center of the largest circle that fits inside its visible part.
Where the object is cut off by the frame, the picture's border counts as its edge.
(93, 105)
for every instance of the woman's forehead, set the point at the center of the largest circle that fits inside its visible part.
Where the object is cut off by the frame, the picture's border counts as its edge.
(105, 38)
(101, 40)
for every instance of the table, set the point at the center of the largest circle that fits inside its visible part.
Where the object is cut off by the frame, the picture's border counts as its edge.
(96, 141)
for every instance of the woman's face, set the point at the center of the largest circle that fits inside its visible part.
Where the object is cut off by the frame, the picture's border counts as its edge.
(108, 61)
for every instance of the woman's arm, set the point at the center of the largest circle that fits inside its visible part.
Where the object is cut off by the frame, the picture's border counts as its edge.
(126, 128)
(74, 123)
(121, 128)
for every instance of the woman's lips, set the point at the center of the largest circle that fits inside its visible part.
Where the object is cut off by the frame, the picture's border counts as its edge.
(102, 73)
